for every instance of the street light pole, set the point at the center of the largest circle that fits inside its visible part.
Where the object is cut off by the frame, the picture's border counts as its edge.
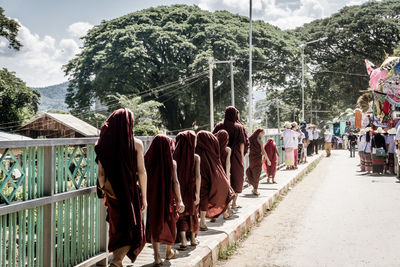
(302, 72)
(232, 85)
(210, 64)
(251, 69)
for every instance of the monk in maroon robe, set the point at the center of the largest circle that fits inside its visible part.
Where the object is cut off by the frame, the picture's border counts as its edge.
(188, 166)
(272, 153)
(215, 192)
(239, 144)
(121, 169)
(164, 197)
(256, 154)
(224, 151)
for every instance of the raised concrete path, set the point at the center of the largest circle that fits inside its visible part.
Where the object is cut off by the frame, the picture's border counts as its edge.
(222, 234)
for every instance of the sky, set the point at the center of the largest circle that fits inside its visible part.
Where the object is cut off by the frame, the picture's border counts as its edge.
(51, 30)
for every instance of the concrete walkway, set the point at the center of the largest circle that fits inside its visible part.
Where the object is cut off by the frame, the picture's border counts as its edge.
(223, 233)
(335, 217)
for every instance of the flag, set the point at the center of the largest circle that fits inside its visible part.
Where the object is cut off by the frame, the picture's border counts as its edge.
(370, 66)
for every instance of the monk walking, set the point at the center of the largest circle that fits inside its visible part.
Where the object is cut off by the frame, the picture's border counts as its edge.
(257, 152)
(121, 168)
(188, 166)
(272, 153)
(239, 144)
(225, 157)
(215, 192)
(164, 197)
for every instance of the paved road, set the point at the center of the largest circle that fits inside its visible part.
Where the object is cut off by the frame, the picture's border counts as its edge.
(334, 217)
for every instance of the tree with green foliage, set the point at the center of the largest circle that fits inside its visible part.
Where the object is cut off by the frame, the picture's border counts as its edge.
(147, 114)
(337, 70)
(9, 30)
(162, 54)
(18, 102)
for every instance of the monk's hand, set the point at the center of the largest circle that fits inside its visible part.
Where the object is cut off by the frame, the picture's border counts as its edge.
(269, 163)
(181, 207)
(197, 201)
(144, 205)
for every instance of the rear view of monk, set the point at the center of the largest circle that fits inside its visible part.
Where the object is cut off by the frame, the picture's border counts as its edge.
(188, 168)
(164, 197)
(238, 143)
(215, 192)
(257, 152)
(121, 167)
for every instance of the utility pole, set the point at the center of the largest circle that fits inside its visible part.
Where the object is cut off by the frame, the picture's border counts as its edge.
(302, 83)
(251, 69)
(232, 85)
(210, 66)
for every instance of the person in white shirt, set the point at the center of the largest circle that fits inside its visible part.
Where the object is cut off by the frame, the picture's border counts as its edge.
(367, 150)
(328, 143)
(296, 135)
(391, 147)
(289, 143)
(397, 154)
(310, 147)
(361, 146)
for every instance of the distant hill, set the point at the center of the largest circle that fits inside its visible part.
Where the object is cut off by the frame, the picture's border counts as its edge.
(53, 97)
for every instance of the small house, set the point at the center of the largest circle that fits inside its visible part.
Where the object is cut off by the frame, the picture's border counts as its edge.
(55, 125)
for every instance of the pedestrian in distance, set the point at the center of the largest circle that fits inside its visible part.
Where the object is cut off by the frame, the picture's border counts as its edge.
(215, 191)
(256, 155)
(164, 198)
(315, 138)
(272, 155)
(352, 141)
(328, 143)
(188, 171)
(368, 150)
(288, 136)
(121, 182)
(296, 133)
(310, 147)
(303, 158)
(239, 144)
(391, 149)
(361, 147)
(378, 151)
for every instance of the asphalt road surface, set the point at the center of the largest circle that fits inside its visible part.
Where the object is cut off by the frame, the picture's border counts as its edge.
(334, 217)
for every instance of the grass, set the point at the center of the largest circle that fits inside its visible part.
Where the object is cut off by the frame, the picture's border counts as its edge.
(228, 252)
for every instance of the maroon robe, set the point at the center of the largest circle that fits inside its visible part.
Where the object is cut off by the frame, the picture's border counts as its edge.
(115, 150)
(237, 136)
(223, 139)
(162, 212)
(184, 155)
(215, 192)
(271, 150)
(253, 172)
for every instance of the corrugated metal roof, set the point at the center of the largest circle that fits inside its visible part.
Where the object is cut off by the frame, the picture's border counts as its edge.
(4, 136)
(74, 123)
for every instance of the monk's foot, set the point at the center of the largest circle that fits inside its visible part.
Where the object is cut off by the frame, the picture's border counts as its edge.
(173, 253)
(158, 261)
(255, 192)
(203, 228)
(213, 220)
(235, 207)
(194, 242)
(156, 264)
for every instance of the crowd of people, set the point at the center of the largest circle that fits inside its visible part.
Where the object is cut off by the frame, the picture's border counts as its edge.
(177, 183)
(377, 150)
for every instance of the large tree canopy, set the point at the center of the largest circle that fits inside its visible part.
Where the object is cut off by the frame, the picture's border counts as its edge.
(136, 53)
(9, 30)
(17, 101)
(336, 65)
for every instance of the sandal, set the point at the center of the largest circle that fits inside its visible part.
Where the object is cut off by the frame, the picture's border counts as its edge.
(203, 229)
(158, 264)
(213, 220)
(183, 248)
(237, 207)
(174, 254)
(255, 193)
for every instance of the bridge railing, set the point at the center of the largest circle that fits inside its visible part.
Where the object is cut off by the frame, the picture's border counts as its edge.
(49, 212)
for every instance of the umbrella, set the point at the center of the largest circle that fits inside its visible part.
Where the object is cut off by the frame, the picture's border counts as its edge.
(349, 110)
(329, 122)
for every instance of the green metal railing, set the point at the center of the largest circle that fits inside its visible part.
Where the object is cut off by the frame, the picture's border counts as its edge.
(50, 214)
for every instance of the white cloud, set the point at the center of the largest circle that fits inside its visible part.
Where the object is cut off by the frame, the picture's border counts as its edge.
(282, 13)
(39, 62)
(79, 29)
